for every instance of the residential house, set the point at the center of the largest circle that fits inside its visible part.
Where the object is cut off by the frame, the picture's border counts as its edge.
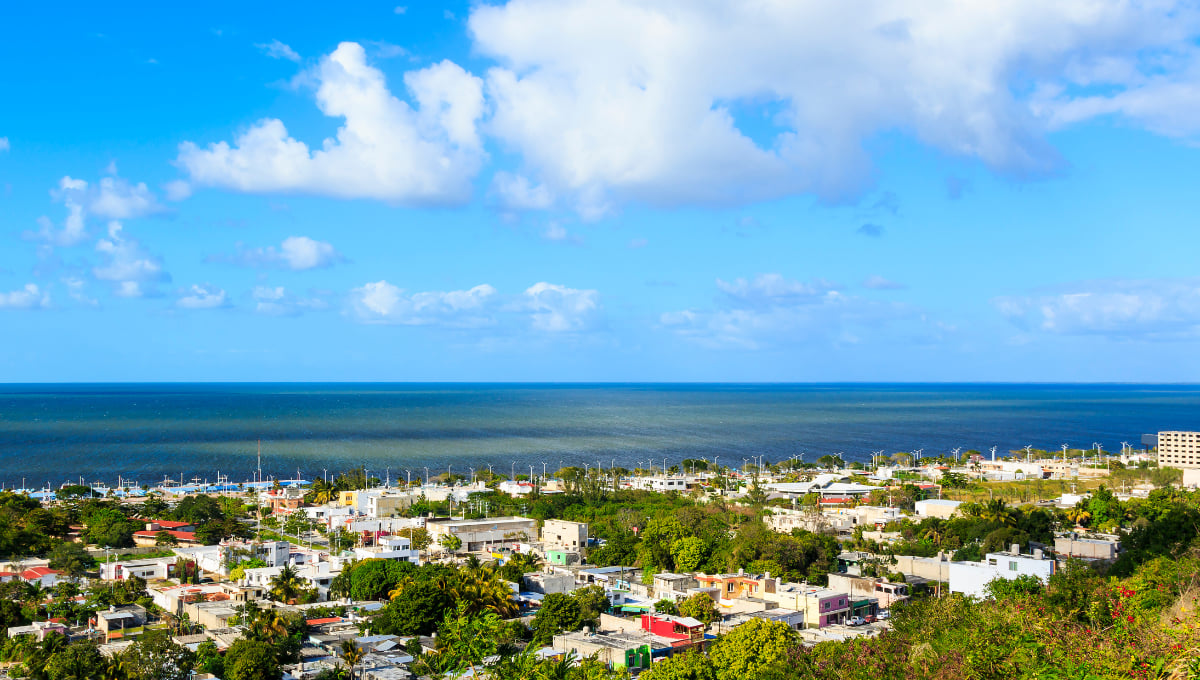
(563, 534)
(118, 623)
(971, 578)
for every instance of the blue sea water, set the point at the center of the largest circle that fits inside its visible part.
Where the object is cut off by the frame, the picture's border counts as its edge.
(54, 433)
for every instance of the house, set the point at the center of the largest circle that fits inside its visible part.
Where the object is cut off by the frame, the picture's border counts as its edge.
(681, 630)
(148, 569)
(546, 583)
(563, 534)
(184, 533)
(6, 576)
(515, 489)
(389, 548)
(867, 593)
(43, 576)
(118, 623)
(971, 578)
(564, 558)
(734, 586)
(615, 649)
(1096, 547)
(660, 483)
(937, 507)
(38, 629)
(821, 607)
(668, 586)
(483, 534)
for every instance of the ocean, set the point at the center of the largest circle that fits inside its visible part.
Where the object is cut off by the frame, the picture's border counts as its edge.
(56, 433)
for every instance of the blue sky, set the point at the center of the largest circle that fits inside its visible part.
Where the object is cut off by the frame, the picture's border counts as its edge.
(591, 190)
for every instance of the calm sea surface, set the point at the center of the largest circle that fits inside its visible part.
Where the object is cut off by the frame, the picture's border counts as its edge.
(52, 433)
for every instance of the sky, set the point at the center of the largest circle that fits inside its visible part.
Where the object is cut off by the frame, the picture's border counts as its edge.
(600, 190)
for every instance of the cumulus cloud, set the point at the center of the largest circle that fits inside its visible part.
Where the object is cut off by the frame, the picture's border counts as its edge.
(386, 148)
(278, 50)
(29, 297)
(631, 100)
(131, 270)
(382, 302)
(1122, 308)
(543, 307)
(111, 198)
(4, 145)
(516, 193)
(771, 310)
(297, 253)
(277, 301)
(206, 296)
(177, 190)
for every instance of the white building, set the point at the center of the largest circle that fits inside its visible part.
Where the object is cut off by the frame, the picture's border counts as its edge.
(936, 507)
(389, 548)
(219, 559)
(484, 534)
(971, 578)
(1179, 449)
(563, 534)
(148, 569)
(660, 483)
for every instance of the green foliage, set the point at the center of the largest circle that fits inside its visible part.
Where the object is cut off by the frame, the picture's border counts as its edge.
(416, 610)
(80, 660)
(450, 542)
(686, 666)
(749, 651)
(108, 526)
(700, 607)
(155, 657)
(1002, 588)
(557, 614)
(71, 558)
(688, 553)
(251, 660)
(209, 659)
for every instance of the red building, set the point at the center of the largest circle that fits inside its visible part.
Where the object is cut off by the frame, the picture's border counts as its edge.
(683, 630)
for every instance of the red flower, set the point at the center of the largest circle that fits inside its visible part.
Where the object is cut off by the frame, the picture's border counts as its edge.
(1129, 618)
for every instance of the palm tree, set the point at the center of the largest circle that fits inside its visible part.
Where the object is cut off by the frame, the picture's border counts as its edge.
(1079, 516)
(114, 668)
(286, 585)
(352, 655)
(998, 512)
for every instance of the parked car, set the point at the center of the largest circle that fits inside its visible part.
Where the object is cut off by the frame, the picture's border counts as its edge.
(870, 618)
(884, 615)
(856, 621)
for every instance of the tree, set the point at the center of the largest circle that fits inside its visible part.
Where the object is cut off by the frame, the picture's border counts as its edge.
(155, 657)
(352, 655)
(450, 542)
(687, 666)
(164, 537)
(667, 606)
(688, 552)
(557, 614)
(108, 526)
(419, 538)
(416, 609)
(251, 660)
(209, 659)
(80, 660)
(71, 557)
(700, 607)
(593, 602)
(749, 650)
(286, 586)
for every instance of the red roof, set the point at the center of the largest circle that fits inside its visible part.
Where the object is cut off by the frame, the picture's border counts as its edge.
(181, 535)
(38, 572)
(318, 622)
(8, 574)
(166, 524)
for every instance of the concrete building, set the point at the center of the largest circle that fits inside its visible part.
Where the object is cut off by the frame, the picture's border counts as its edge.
(1098, 547)
(118, 623)
(1179, 449)
(821, 607)
(389, 548)
(219, 559)
(862, 588)
(971, 578)
(483, 534)
(660, 483)
(937, 507)
(149, 569)
(614, 649)
(668, 586)
(563, 534)
(548, 582)
(563, 557)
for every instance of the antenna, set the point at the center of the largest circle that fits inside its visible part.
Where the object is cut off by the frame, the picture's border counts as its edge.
(260, 477)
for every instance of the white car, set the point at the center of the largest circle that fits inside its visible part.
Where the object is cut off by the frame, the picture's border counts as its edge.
(856, 621)
(884, 615)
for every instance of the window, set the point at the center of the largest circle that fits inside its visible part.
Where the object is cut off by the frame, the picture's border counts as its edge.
(1012, 566)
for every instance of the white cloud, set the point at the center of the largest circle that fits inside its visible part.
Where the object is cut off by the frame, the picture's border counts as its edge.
(517, 193)
(204, 296)
(609, 101)
(400, 9)
(111, 198)
(278, 50)
(77, 289)
(177, 190)
(386, 149)
(382, 302)
(770, 310)
(877, 282)
(277, 301)
(29, 297)
(297, 253)
(130, 269)
(558, 309)
(4, 145)
(543, 307)
(1144, 308)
